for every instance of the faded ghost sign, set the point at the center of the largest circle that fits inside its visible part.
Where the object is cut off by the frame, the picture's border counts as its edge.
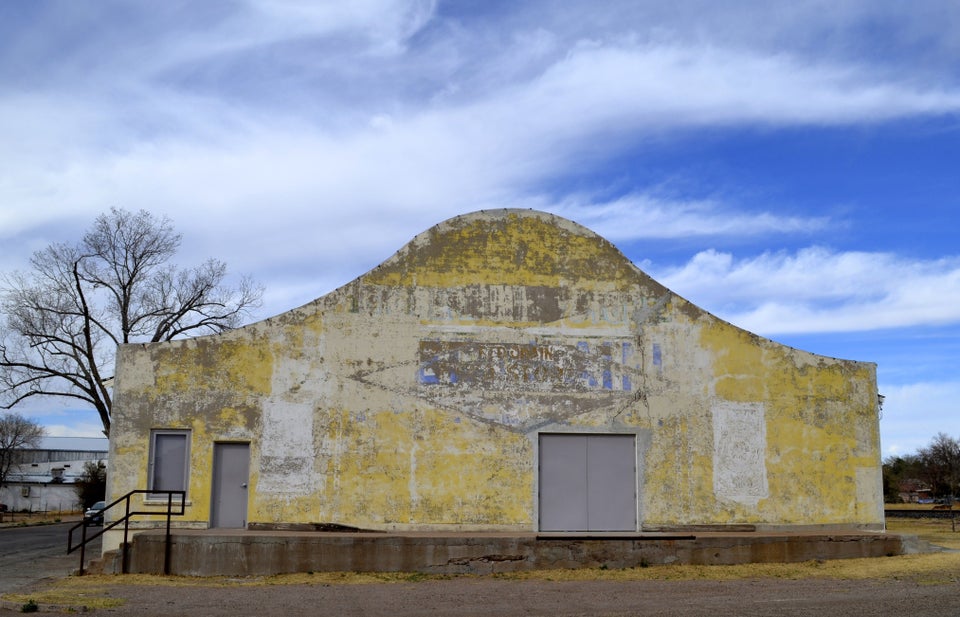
(538, 366)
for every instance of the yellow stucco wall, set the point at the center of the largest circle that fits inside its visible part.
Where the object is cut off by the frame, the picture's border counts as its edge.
(412, 397)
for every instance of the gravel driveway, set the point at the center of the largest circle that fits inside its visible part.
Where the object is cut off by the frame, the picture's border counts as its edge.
(493, 597)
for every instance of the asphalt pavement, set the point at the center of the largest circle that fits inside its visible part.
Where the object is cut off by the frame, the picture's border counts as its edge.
(30, 555)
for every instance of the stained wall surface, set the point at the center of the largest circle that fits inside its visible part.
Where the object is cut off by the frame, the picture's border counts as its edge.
(416, 396)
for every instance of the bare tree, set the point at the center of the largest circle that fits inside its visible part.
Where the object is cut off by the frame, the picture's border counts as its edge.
(66, 316)
(941, 464)
(16, 433)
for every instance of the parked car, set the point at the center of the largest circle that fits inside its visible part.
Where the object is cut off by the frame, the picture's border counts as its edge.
(94, 514)
(3, 507)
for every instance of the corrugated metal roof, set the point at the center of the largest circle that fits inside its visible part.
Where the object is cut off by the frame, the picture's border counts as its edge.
(75, 444)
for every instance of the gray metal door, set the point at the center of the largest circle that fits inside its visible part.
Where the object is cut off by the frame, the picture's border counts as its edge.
(563, 482)
(231, 471)
(588, 482)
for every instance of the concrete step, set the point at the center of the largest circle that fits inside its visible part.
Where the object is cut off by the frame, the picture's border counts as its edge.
(213, 553)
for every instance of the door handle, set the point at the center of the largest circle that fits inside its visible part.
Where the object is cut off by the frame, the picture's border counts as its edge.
(244, 485)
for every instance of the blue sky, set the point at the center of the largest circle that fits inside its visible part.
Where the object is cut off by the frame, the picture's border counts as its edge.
(790, 167)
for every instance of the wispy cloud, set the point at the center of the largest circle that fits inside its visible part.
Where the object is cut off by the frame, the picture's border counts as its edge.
(646, 216)
(197, 154)
(819, 290)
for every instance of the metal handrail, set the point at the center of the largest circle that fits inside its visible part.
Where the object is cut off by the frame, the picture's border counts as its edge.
(85, 523)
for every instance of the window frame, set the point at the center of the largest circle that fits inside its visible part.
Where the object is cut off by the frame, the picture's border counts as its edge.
(152, 467)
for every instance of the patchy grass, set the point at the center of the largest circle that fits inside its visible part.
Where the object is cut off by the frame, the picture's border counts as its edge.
(72, 594)
(94, 591)
(912, 506)
(922, 568)
(938, 531)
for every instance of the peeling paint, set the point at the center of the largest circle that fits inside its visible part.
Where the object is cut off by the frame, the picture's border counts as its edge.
(411, 397)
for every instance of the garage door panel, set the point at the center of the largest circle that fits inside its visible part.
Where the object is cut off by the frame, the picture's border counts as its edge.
(563, 483)
(611, 483)
(587, 482)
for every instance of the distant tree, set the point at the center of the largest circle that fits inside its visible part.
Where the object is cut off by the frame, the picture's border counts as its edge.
(91, 486)
(16, 433)
(66, 316)
(896, 471)
(940, 462)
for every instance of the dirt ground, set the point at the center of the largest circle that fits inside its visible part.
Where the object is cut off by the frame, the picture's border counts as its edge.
(915, 585)
(494, 597)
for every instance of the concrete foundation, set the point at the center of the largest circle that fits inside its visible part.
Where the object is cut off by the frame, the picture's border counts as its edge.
(244, 553)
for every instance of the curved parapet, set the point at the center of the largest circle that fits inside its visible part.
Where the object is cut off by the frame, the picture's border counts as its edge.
(507, 370)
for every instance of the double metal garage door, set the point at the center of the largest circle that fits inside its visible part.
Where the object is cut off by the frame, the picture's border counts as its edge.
(588, 482)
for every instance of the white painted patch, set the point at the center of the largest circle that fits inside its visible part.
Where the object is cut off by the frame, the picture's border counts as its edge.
(287, 453)
(739, 455)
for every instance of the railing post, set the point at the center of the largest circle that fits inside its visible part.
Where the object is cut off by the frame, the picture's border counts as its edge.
(83, 546)
(124, 568)
(125, 549)
(166, 548)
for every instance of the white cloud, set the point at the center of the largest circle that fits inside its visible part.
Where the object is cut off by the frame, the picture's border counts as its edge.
(635, 216)
(219, 161)
(386, 24)
(73, 429)
(334, 172)
(660, 86)
(819, 290)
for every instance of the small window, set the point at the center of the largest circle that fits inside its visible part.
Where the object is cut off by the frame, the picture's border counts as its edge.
(169, 460)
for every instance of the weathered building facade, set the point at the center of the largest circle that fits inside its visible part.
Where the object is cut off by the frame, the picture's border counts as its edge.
(506, 370)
